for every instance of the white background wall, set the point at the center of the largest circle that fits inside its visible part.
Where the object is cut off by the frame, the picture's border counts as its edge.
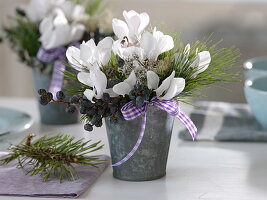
(240, 23)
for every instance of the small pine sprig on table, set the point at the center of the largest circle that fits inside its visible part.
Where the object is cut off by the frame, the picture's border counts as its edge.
(53, 156)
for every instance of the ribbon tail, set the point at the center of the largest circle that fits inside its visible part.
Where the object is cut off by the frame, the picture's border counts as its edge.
(140, 138)
(188, 123)
(57, 78)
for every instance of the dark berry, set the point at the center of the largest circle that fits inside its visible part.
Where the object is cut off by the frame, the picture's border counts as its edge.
(49, 96)
(88, 127)
(60, 95)
(99, 123)
(43, 100)
(74, 100)
(120, 62)
(82, 110)
(105, 97)
(101, 111)
(139, 101)
(112, 82)
(71, 109)
(111, 72)
(91, 111)
(95, 119)
(42, 91)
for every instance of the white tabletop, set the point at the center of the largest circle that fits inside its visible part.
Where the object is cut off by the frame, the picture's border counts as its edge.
(196, 170)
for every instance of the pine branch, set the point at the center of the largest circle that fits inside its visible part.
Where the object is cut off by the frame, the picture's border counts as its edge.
(53, 156)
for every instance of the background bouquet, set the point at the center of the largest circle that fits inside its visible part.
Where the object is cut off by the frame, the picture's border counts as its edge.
(41, 33)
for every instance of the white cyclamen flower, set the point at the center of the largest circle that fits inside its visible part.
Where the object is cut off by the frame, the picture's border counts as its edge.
(155, 44)
(98, 81)
(126, 86)
(72, 11)
(201, 63)
(169, 88)
(133, 28)
(36, 10)
(56, 31)
(151, 46)
(90, 54)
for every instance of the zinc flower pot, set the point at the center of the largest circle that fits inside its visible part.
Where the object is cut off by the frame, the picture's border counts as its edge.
(149, 161)
(53, 113)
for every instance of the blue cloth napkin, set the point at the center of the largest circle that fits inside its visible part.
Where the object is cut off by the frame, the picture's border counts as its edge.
(14, 182)
(219, 121)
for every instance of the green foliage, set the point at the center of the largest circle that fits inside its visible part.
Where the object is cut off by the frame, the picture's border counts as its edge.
(220, 69)
(93, 6)
(23, 38)
(53, 156)
(24, 35)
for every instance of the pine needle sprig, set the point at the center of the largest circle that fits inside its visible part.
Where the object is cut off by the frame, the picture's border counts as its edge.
(53, 156)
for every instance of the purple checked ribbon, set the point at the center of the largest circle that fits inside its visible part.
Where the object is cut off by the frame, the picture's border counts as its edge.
(130, 112)
(58, 55)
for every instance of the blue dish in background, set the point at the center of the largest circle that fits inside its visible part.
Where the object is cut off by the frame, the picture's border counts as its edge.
(256, 95)
(13, 121)
(255, 68)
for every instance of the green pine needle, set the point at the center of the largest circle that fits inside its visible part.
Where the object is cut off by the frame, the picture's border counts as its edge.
(53, 156)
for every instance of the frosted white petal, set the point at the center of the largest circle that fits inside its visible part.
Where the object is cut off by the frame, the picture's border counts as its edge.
(77, 32)
(100, 82)
(117, 49)
(131, 80)
(204, 61)
(120, 28)
(144, 22)
(176, 87)
(104, 50)
(73, 56)
(165, 85)
(122, 88)
(89, 94)
(84, 78)
(152, 80)
(111, 92)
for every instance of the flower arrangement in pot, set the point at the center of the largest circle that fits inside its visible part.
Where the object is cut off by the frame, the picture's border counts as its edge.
(136, 84)
(40, 34)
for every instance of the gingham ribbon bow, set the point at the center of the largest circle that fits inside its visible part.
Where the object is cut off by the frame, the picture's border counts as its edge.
(58, 55)
(130, 112)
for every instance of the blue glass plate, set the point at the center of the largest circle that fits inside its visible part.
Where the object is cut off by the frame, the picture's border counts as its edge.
(13, 121)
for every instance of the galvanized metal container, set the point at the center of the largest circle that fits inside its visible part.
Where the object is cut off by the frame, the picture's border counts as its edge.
(149, 161)
(52, 113)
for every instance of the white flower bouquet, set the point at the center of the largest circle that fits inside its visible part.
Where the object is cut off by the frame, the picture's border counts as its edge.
(143, 74)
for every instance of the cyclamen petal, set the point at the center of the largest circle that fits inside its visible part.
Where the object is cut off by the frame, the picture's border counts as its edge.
(56, 31)
(89, 94)
(120, 28)
(100, 82)
(126, 86)
(176, 87)
(122, 88)
(152, 80)
(131, 80)
(165, 85)
(73, 56)
(85, 78)
(201, 62)
(104, 47)
(204, 61)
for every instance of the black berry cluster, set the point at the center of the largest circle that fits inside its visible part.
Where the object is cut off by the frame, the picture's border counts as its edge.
(98, 109)
(93, 111)
(46, 97)
(139, 95)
